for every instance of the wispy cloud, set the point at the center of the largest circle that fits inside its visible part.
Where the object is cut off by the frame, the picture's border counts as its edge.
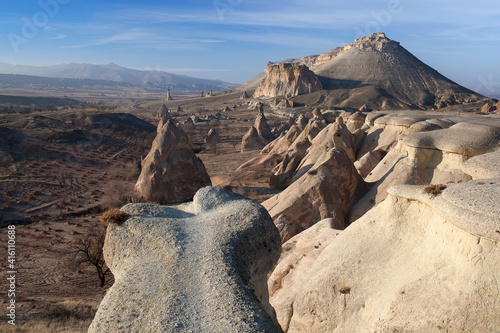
(59, 36)
(132, 36)
(144, 38)
(291, 18)
(484, 32)
(55, 34)
(184, 70)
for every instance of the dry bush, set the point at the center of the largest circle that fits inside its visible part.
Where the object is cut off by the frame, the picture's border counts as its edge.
(53, 316)
(434, 190)
(88, 250)
(118, 194)
(128, 171)
(114, 216)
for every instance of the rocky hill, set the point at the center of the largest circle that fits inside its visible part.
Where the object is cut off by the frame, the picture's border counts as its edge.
(379, 72)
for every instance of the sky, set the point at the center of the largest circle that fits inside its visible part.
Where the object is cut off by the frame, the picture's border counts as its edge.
(232, 40)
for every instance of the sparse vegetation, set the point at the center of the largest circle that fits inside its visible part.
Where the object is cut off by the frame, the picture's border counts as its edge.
(345, 290)
(114, 216)
(434, 190)
(89, 251)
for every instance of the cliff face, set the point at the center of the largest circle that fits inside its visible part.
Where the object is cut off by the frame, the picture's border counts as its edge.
(288, 80)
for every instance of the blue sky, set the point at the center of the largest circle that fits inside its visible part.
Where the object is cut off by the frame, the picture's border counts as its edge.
(233, 40)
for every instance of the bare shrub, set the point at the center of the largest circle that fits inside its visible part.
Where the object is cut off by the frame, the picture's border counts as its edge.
(88, 251)
(118, 193)
(128, 171)
(114, 216)
(434, 190)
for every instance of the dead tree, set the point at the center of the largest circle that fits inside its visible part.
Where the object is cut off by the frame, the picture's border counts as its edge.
(88, 251)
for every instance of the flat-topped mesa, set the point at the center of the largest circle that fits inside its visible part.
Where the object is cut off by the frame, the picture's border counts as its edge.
(198, 267)
(288, 80)
(171, 172)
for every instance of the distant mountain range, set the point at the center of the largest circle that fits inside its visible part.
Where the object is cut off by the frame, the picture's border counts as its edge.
(110, 75)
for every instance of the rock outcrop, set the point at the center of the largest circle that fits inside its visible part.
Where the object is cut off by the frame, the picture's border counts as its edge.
(258, 136)
(283, 143)
(427, 157)
(163, 112)
(188, 125)
(294, 155)
(327, 190)
(368, 162)
(288, 80)
(251, 140)
(488, 107)
(198, 267)
(302, 122)
(323, 141)
(169, 96)
(483, 166)
(171, 172)
(414, 263)
(285, 104)
(297, 256)
(212, 136)
(263, 160)
(263, 129)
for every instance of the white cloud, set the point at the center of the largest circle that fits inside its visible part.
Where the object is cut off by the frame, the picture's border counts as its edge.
(59, 36)
(185, 70)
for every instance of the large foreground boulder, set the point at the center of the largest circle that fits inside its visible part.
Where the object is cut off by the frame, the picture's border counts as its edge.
(418, 262)
(199, 267)
(171, 173)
